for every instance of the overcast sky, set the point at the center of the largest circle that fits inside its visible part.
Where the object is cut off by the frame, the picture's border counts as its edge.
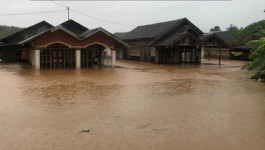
(204, 14)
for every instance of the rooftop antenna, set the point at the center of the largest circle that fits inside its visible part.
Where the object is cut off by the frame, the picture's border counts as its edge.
(68, 12)
(67, 8)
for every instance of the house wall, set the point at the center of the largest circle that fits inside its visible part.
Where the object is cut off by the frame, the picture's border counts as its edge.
(178, 54)
(10, 53)
(32, 57)
(72, 42)
(1, 54)
(214, 53)
(140, 49)
(120, 53)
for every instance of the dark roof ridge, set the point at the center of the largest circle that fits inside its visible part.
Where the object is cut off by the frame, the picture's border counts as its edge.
(43, 21)
(80, 28)
(162, 22)
(186, 27)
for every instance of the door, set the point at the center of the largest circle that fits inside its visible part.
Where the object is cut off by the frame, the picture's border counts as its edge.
(57, 58)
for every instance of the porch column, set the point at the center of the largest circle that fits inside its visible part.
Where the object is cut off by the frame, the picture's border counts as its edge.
(37, 59)
(77, 58)
(113, 58)
(202, 51)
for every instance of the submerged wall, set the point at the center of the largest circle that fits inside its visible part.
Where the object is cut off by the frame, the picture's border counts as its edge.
(10, 53)
(214, 53)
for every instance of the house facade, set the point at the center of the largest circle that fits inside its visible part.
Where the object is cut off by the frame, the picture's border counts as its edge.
(177, 41)
(68, 45)
(228, 51)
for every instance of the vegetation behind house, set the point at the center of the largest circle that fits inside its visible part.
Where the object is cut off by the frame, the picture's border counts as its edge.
(8, 30)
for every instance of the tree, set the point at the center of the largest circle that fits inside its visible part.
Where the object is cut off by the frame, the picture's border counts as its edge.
(232, 28)
(256, 31)
(258, 57)
(216, 28)
(8, 30)
(251, 32)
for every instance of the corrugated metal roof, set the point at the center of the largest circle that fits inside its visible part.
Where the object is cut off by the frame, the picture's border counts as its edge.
(74, 27)
(170, 39)
(226, 35)
(27, 33)
(205, 36)
(149, 31)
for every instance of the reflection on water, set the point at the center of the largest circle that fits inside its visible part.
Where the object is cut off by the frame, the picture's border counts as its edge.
(135, 106)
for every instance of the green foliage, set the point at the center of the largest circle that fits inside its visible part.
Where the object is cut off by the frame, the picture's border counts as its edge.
(232, 28)
(216, 28)
(8, 30)
(253, 31)
(258, 57)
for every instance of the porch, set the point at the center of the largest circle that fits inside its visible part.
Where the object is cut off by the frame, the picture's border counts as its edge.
(178, 55)
(59, 55)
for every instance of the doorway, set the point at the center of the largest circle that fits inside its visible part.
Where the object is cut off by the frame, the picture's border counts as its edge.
(57, 58)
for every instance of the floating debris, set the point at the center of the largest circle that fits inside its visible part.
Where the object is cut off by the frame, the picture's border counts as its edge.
(85, 130)
(117, 116)
(144, 126)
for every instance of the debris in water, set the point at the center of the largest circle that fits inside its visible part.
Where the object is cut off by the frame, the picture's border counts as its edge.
(85, 130)
(143, 126)
(116, 116)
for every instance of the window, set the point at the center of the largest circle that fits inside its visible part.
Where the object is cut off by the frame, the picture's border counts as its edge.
(69, 55)
(45, 58)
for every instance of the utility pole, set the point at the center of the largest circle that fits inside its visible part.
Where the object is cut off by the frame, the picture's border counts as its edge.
(68, 12)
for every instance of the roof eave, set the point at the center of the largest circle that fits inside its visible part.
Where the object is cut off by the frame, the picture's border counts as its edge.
(213, 34)
(107, 33)
(60, 27)
(181, 37)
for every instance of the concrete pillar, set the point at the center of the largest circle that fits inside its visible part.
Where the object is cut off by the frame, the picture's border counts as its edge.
(202, 52)
(113, 58)
(78, 59)
(37, 59)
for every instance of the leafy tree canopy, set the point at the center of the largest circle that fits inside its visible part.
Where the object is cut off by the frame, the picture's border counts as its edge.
(216, 28)
(232, 28)
(251, 32)
(8, 30)
(258, 57)
(256, 33)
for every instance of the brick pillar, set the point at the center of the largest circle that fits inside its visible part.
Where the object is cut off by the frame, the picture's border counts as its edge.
(113, 58)
(78, 59)
(37, 59)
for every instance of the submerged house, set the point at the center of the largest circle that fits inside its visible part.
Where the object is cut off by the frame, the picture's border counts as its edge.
(68, 45)
(229, 52)
(177, 41)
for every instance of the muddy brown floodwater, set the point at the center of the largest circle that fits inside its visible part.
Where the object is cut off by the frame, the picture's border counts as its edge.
(135, 106)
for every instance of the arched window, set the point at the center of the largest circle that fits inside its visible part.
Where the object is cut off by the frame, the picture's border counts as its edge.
(92, 55)
(57, 55)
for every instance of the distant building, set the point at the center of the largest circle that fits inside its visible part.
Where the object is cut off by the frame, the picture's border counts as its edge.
(177, 41)
(68, 45)
(230, 52)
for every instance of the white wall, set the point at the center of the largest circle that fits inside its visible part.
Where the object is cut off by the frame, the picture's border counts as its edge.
(108, 51)
(119, 53)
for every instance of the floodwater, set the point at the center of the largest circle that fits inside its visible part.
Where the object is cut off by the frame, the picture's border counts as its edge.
(135, 106)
